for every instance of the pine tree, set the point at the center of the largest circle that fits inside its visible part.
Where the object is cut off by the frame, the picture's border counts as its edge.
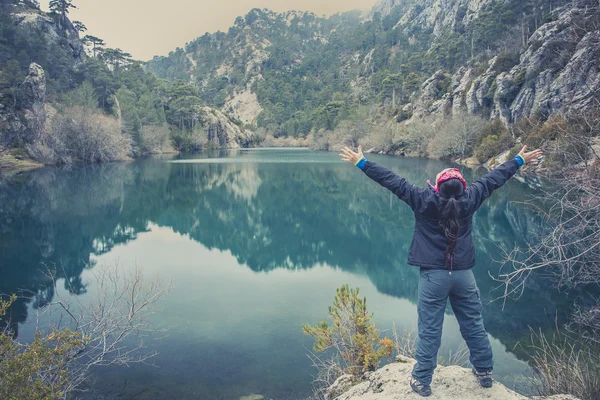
(80, 26)
(61, 8)
(96, 42)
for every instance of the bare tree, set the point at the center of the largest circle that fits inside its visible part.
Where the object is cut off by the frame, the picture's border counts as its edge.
(569, 248)
(113, 323)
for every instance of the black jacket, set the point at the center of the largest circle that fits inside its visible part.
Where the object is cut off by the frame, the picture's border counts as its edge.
(429, 242)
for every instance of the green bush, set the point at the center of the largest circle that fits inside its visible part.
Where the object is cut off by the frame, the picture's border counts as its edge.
(353, 333)
(38, 370)
(404, 115)
(495, 139)
(492, 146)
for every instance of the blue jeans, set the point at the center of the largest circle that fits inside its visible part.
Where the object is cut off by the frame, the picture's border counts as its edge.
(435, 286)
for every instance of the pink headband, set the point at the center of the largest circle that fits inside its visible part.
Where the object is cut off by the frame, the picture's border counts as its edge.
(452, 173)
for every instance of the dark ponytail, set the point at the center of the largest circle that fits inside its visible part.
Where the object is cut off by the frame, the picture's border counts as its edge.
(450, 213)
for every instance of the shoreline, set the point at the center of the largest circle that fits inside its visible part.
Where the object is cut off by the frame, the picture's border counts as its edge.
(14, 164)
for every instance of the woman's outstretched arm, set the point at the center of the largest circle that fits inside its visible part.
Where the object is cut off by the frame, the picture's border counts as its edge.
(482, 188)
(386, 178)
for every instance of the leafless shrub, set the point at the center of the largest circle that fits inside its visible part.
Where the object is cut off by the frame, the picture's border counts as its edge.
(405, 344)
(155, 139)
(80, 135)
(568, 249)
(114, 322)
(381, 138)
(271, 141)
(418, 134)
(329, 369)
(349, 133)
(456, 136)
(585, 321)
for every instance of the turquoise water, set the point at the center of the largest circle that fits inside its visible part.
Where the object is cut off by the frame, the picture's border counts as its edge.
(255, 243)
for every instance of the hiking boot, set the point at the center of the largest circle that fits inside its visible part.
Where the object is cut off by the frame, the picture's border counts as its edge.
(484, 378)
(420, 388)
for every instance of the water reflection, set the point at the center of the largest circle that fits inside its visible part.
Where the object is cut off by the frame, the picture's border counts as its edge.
(269, 215)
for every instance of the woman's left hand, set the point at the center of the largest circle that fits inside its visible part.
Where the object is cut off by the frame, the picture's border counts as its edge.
(350, 156)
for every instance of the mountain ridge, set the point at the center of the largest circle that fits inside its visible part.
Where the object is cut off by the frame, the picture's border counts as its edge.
(499, 60)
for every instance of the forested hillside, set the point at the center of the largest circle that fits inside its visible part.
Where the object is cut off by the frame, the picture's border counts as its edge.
(67, 98)
(293, 73)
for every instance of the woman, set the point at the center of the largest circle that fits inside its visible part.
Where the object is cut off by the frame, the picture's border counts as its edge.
(443, 249)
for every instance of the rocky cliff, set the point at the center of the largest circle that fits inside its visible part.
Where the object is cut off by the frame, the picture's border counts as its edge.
(556, 70)
(222, 132)
(449, 383)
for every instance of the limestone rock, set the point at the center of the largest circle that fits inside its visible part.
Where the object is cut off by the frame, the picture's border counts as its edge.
(460, 83)
(432, 99)
(391, 382)
(65, 35)
(34, 88)
(339, 387)
(481, 92)
(253, 397)
(557, 72)
(244, 106)
(223, 132)
(26, 124)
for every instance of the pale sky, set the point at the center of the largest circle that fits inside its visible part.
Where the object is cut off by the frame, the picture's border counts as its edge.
(155, 27)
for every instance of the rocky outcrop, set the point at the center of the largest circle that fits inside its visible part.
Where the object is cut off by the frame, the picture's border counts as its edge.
(23, 115)
(433, 99)
(392, 383)
(244, 106)
(478, 95)
(64, 35)
(222, 132)
(558, 71)
(34, 112)
(25, 124)
(461, 82)
(434, 15)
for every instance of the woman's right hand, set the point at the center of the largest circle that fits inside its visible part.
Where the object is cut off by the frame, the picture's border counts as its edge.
(350, 156)
(530, 156)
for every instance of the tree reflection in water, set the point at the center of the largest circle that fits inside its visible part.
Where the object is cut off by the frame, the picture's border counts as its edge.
(269, 214)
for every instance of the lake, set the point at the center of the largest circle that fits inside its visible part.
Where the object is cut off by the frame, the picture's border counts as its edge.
(255, 243)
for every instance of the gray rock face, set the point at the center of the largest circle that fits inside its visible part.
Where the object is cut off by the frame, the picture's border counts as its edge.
(558, 71)
(34, 88)
(26, 124)
(62, 35)
(432, 99)
(222, 132)
(460, 83)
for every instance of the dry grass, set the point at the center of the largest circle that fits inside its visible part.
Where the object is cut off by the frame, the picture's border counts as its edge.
(406, 345)
(566, 365)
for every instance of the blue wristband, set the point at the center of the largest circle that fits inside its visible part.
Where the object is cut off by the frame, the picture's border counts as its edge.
(361, 163)
(520, 160)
